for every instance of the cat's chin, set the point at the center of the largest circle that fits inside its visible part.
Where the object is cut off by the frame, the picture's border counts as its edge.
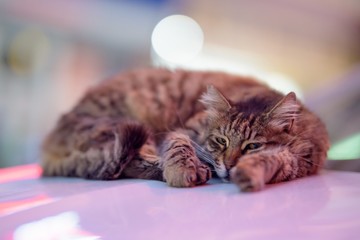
(225, 179)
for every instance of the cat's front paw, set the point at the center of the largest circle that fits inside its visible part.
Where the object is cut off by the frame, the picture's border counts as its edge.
(186, 173)
(247, 176)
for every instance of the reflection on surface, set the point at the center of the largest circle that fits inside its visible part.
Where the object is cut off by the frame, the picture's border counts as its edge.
(9, 207)
(207, 210)
(62, 226)
(139, 209)
(241, 214)
(20, 173)
(15, 198)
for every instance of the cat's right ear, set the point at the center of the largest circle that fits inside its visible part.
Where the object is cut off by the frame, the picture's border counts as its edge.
(284, 113)
(214, 101)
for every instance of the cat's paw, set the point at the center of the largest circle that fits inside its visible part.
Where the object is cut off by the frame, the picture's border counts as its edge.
(186, 173)
(247, 176)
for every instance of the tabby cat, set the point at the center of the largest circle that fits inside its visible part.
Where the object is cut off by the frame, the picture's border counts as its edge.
(182, 127)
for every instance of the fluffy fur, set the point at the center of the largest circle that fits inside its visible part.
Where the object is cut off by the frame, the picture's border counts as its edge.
(181, 126)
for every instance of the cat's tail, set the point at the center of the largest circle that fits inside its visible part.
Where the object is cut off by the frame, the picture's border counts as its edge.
(92, 148)
(132, 137)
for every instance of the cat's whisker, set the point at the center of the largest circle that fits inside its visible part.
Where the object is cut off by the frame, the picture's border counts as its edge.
(197, 145)
(292, 140)
(309, 161)
(180, 120)
(162, 132)
(206, 158)
(203, 154)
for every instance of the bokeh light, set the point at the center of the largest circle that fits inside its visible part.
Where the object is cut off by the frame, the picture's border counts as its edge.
(348, 148)
(177, 39)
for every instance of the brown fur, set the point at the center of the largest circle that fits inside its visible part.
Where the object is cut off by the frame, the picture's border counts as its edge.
(177, 126)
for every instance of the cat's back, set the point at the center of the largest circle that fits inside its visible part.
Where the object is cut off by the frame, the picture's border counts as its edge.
(179, 85)
(156, 95)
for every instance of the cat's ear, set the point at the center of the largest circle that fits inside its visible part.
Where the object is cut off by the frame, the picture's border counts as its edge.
(284, 113)
(214, 101)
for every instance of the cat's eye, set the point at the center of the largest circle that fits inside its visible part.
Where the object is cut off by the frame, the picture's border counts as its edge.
(252, 146)
(221, 141)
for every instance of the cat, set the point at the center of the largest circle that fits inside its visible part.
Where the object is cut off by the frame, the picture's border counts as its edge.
(183, 127)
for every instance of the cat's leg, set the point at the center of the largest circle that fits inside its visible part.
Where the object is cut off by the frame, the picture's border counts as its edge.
(95, 148)
(146, 164)
(253, 171)
(181, 167)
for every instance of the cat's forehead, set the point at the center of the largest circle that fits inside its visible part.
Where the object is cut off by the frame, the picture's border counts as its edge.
(239, 126)
(254, 106)
(239, 120)
(242, 130)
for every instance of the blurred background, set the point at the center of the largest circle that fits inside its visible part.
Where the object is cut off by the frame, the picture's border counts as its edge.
(52, 51)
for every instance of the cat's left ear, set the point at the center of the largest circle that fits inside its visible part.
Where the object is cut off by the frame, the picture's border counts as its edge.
(284, 113)
(214, 101)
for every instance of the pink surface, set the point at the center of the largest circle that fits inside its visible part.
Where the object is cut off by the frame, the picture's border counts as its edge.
(320, 207)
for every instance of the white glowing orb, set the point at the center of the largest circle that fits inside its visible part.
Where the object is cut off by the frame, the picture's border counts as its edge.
(177, 39)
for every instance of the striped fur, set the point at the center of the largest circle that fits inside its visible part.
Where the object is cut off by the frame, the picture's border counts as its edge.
(180, 126)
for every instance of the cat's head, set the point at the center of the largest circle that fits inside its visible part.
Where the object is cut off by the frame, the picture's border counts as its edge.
(253, 125)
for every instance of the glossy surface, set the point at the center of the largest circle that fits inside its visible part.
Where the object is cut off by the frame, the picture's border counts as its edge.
(326, 206)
